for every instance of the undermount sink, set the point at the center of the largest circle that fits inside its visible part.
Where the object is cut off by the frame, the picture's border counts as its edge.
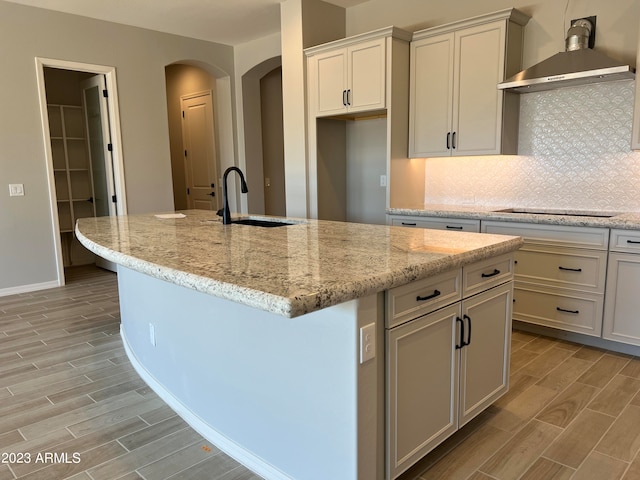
(261, 223)
(542, 211)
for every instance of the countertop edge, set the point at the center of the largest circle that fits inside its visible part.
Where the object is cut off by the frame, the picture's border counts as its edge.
(297, 306)
(623, 221)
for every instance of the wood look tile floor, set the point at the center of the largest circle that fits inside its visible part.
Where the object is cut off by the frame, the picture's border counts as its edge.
(572, 412)
(71, 405)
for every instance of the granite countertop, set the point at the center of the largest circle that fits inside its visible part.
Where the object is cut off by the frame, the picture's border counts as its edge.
(290, 270)
(582, 218)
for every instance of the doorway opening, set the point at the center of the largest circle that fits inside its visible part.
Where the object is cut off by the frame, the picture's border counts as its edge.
(193, 115)
(79, 109)
(264, 137)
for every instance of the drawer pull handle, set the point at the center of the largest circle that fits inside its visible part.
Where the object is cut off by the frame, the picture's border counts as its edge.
(409, 224)
(492, 274)
(570, 269)
(633, 241)
(428, 297)
(450, 227)
(567, 311)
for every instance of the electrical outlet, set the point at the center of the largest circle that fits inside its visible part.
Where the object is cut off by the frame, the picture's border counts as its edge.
(367, 342)
(16, 189)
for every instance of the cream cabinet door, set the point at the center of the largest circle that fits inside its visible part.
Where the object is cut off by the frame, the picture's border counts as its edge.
(622, 302)
(349, 79)
(431, 93)
(366, 76)
(484, 360)
(477, 103)
(328, 80)
(422, 387)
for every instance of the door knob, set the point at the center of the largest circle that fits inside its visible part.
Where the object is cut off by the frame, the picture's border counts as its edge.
(213, 194)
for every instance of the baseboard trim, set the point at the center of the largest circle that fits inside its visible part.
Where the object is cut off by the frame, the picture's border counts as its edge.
(33, 287)
(588, 340)
(228, 446)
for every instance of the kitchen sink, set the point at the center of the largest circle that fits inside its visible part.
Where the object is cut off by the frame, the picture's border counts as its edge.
(542, 211)
(255, 222)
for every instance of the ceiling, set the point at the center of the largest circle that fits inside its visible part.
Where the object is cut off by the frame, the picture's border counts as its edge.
(223, 21)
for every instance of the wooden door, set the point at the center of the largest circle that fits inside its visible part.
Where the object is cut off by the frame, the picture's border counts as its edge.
(199, 151)
(100, 148)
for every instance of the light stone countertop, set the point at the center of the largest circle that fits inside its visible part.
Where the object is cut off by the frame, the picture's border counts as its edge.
(289, 270)
(581, 218)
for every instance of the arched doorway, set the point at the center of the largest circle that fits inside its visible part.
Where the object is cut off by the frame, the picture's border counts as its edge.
(263, 137)
(199, 100)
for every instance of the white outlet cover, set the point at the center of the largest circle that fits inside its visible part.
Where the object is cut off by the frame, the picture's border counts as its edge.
(367, 342)
(16, 189)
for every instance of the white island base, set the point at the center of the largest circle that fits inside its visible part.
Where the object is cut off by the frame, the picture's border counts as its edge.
(286, 397)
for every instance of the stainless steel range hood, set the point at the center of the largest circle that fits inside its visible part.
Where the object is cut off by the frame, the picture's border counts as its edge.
(578, 65)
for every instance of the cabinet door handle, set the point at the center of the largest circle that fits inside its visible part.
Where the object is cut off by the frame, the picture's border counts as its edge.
(570, 269)
(567, 311)
(409, 224)
(344, 98)
(633, 241)
(453, 140)
(428, 297)
(349, 97)
(468, 342)
(448, 140)
(492, 274)
(450, 227)
(459, 346)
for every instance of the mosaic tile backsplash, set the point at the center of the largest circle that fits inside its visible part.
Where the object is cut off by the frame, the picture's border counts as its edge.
(574, 153)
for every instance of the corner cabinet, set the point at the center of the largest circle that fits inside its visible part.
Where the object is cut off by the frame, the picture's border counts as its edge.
(455, 106)
(622, 302)
(447, 355)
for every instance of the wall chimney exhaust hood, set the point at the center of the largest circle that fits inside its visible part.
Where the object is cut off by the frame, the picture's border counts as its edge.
(579, 64)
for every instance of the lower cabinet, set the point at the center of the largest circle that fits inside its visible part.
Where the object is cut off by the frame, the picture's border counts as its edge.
(444, 368)
(560, 275)
(622, 302)
(435, 223)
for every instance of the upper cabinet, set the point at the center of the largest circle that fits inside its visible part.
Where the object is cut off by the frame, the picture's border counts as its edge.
(349, 76)
(635, 134)
(455, 107)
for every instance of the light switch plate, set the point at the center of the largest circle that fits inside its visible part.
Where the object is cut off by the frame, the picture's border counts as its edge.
(16, 189)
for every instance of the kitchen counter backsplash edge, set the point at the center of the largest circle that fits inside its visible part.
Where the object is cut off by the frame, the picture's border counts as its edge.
(624, 220)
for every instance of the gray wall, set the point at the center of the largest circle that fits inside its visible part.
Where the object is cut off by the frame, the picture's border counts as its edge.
(27, 255)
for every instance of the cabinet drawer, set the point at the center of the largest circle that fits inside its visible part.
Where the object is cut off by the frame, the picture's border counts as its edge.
(625, 241)
(486, 274)
(560, 235)
(438, 223)
(415, 299)
(574, 268)
(557, 308)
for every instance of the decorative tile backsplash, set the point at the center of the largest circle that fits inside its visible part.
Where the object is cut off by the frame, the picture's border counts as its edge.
(574, 153)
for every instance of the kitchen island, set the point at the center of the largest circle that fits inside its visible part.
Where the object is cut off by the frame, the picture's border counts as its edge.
(252, 334)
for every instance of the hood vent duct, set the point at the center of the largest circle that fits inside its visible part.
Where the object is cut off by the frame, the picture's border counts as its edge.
(579, 64)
